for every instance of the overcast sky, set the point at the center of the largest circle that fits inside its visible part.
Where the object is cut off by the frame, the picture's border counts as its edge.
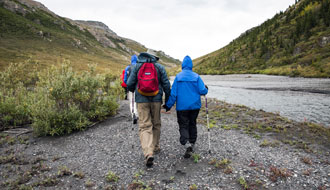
(177, 27)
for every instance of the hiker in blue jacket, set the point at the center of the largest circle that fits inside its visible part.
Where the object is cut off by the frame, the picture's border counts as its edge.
(186, 91)
(132, 104)
(128, 69)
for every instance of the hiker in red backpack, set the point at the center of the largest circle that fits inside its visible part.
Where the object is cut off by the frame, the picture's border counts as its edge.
(149, 80)
(132, 105)
(186, 91)
(123, 84)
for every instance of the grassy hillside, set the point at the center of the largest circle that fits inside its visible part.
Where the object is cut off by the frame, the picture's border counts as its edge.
(29, 31)
(294, 43)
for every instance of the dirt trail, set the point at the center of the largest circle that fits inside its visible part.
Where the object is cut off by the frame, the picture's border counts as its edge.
(82, 160)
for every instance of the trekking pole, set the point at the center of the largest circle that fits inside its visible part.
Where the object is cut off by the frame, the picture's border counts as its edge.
(133, 114)
(132, 119)
(208, 124)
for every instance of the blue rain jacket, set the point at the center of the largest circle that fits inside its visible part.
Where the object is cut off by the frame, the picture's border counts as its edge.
(133, 62)
(187, 88)
(164, 83)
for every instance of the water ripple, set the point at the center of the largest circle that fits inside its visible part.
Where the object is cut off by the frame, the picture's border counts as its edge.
(300, 99)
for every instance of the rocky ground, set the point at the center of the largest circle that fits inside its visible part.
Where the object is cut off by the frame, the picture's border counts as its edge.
(250, 149)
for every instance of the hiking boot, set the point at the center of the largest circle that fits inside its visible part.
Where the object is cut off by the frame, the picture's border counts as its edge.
(135, 119)
(188, 152)
(149, 160)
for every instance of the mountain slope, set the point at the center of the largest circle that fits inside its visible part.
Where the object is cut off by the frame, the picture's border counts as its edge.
(294, 43)
(29, 31)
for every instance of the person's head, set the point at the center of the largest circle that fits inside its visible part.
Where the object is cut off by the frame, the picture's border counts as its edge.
(187, 63)
(133, 59)
(153, 53)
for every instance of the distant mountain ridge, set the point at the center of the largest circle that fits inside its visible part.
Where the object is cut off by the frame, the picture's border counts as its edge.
(30, 31)
(293, 43)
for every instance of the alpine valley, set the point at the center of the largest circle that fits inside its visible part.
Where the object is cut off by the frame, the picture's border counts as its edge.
(31, 33)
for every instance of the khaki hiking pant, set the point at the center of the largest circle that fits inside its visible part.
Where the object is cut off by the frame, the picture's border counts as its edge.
(149, 126)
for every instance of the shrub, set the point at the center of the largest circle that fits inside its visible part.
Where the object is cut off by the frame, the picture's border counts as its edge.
(111, 177)
(193, 187)
(14, 96)
(66, 101)
(48, 120)
(57, 101)
(14, 110)
(196, 157)
(243, 183)
(279, 172)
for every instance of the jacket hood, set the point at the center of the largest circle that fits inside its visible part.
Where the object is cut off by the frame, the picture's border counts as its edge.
(146, 57)
(133, 59)
(187, 63)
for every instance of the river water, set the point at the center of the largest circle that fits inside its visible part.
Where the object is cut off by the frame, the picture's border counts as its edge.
(300, 99)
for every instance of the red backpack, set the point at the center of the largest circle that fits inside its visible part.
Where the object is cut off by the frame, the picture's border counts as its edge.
(148, 80)
(123, 84)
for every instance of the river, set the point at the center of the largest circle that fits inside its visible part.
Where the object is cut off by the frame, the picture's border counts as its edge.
(300, 99)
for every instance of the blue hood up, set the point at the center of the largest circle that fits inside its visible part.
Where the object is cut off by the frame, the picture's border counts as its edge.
(187, 63)
(133, 62)
(133, 59)
(187, 88)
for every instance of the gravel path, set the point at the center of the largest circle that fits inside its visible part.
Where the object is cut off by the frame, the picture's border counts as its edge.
(237, 159)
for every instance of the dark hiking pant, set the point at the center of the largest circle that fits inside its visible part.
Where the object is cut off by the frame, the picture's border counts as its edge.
(126, 90)
(187, 125)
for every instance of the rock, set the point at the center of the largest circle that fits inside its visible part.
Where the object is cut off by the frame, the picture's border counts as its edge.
(14, 7)
(37, 21)
(324, 41)
(40, 33)
(296, 51)
(102, 33)
(233, 58)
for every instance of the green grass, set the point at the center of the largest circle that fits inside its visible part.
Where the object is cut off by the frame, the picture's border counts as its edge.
(195, 157)
(260, 125)
(48, 39)
(112, 177)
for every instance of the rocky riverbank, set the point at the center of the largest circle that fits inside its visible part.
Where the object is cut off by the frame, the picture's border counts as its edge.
(250, 149)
